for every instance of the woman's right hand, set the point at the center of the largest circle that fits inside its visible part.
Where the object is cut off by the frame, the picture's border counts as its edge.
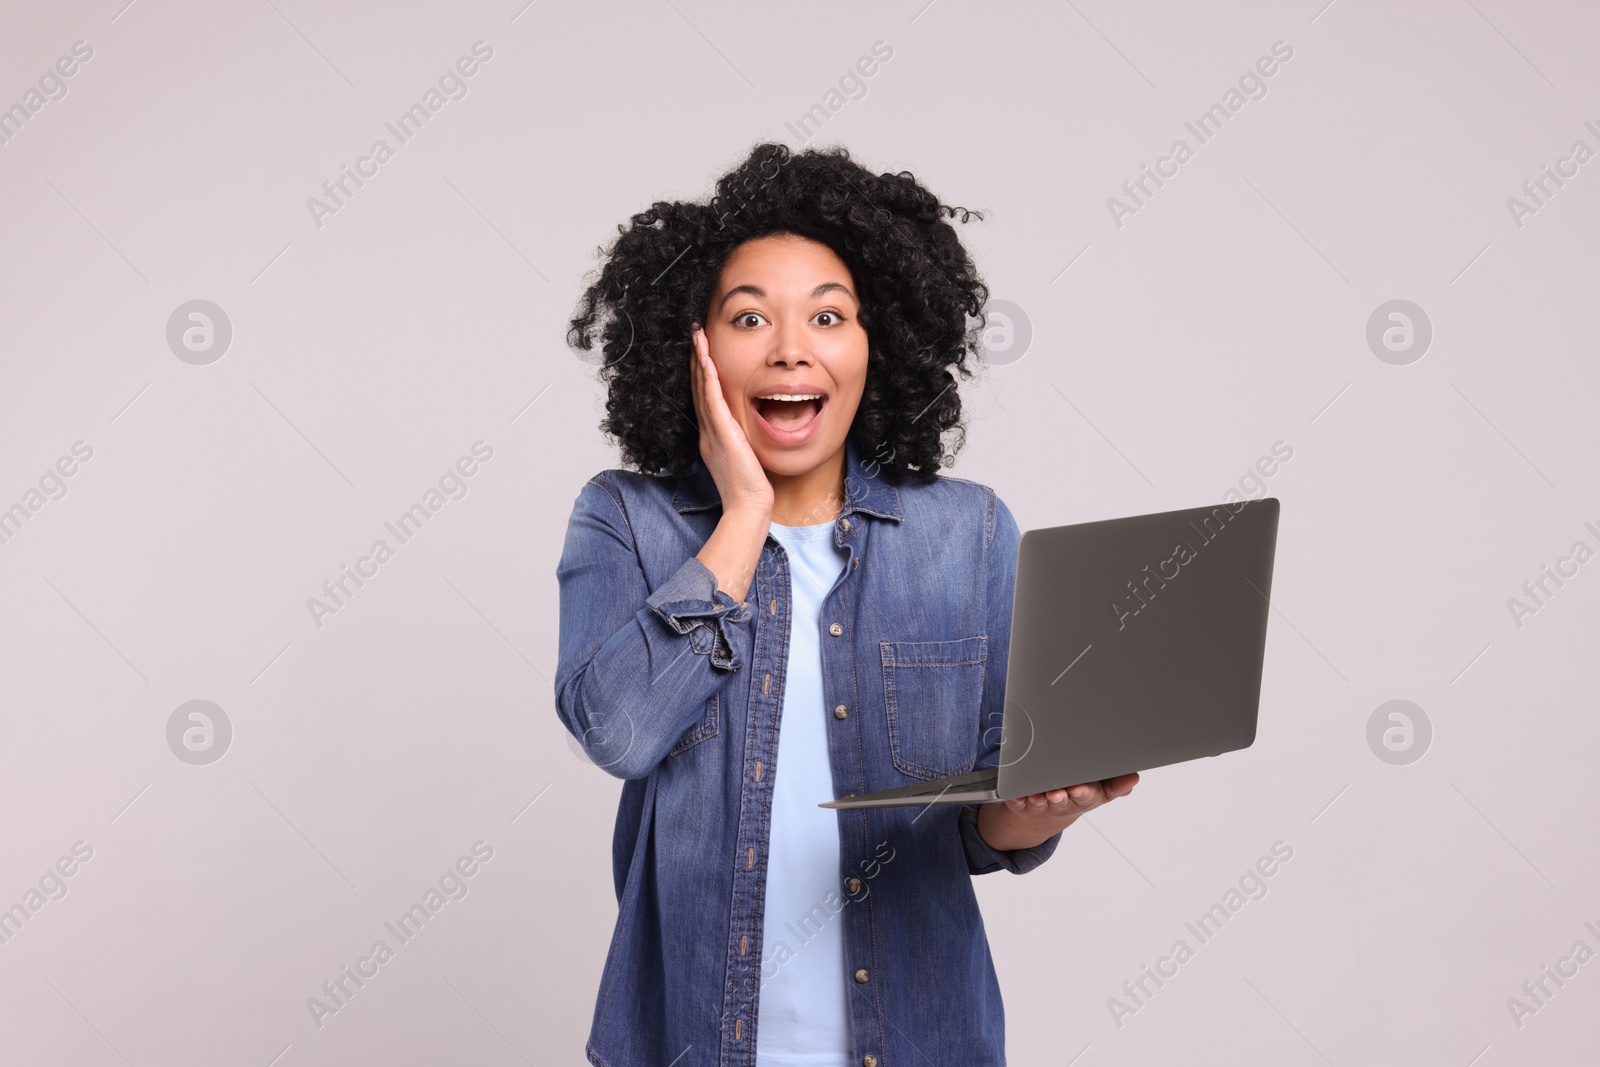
(741, 480)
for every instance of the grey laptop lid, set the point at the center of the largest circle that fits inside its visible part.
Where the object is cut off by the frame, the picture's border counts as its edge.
(1135, 643)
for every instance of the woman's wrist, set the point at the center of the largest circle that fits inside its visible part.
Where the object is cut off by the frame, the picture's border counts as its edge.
(755, 512)
(734, 547)
(1005, 831)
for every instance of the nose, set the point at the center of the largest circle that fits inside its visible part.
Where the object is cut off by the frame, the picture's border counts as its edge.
(789, 346)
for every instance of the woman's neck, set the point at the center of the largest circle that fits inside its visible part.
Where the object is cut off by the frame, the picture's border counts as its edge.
(814, 497)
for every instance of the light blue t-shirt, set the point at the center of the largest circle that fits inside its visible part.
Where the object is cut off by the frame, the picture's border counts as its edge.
(802, 1016)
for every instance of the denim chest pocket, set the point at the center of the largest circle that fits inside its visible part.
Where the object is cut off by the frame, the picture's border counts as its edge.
(933, 692)
(704, 728)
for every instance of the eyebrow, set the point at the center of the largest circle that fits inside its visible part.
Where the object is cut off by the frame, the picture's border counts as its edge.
(761, 294)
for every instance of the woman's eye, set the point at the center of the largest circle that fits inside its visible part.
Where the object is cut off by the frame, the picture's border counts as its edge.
(744, 320)
(832, 315)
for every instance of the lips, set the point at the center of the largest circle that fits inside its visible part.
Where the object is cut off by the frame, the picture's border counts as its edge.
(791, 415)
(788, 414)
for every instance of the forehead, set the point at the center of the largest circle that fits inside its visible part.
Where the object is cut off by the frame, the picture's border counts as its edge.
(779, 260)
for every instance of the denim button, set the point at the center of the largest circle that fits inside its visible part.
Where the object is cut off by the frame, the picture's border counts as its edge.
(861, 975)
(853, 884)
(869, 1060)
(835, 629)
(844, 524)
(841, 712)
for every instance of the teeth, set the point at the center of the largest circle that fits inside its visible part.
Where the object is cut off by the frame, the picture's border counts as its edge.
(791, 396)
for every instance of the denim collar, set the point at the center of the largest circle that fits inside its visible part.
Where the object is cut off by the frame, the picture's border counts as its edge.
(865, 488)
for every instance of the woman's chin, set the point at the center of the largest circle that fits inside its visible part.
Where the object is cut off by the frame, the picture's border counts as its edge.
(799, 460)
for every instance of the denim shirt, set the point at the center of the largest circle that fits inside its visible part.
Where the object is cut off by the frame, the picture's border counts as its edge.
(671, 685)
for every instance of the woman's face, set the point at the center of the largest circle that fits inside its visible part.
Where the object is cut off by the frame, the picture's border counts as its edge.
(789, 348)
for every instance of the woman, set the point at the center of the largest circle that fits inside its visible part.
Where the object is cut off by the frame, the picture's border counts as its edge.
(785, 603)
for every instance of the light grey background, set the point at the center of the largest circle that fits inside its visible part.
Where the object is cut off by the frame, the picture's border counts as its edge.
(1168, 354)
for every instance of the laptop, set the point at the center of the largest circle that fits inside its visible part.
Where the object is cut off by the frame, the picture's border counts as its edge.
(1135, 643)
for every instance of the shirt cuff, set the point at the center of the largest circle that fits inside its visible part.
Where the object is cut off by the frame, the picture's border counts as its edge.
(984, 859)
(692, 605)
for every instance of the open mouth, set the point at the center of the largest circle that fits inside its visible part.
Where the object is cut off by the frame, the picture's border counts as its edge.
(790, 412)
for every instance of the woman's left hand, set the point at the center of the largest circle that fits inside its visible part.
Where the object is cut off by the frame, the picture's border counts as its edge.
(1024, 822)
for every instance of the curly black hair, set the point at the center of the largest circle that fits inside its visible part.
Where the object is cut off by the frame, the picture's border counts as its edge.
(921, 304)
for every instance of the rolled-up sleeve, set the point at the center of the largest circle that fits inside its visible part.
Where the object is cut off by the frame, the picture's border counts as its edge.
(636, 665)
(982, 859)
(693, 606)
(1000, 576)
